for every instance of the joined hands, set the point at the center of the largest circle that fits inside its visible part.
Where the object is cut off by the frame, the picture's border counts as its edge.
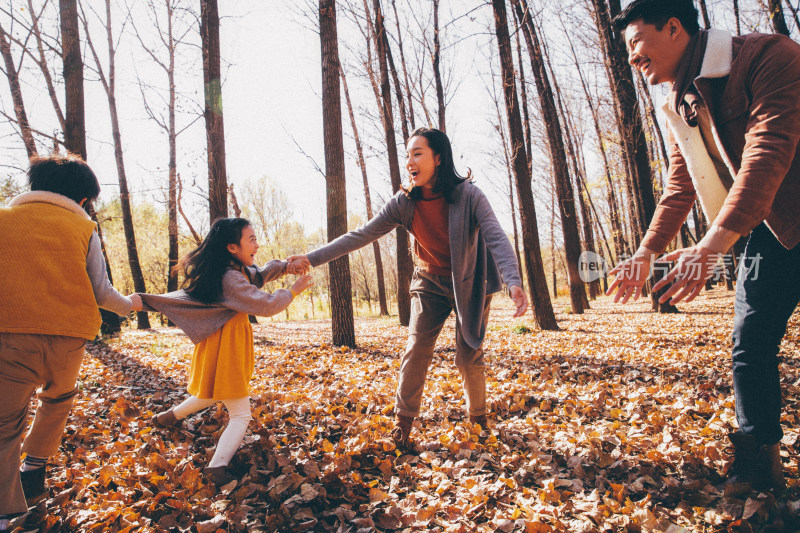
(298, 265)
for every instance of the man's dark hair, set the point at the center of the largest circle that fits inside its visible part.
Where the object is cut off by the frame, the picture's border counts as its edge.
(658, 12)
(68, 175)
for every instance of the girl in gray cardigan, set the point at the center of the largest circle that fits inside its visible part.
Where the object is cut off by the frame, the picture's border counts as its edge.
(463, 257)
(222, 289)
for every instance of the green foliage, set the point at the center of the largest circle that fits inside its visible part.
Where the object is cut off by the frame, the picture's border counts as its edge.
(9, 188)
(522, 329)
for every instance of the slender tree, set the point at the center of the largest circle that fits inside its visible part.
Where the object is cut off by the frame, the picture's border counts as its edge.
(109, 86)
(630, 125)
(404, 263)
(376, 248)
(75, 120)
(339, 269)
(215, 128)
(16, 95)
(540, 298)
(566, 197)
(437, 75)
(777, 18)
(170, 39)
(704, 12)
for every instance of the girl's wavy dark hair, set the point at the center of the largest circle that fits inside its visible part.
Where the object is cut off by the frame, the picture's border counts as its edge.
(447, 178)
(204, 266)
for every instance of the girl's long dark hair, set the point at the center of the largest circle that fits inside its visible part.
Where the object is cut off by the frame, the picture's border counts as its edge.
(447, 178)
(204, 266)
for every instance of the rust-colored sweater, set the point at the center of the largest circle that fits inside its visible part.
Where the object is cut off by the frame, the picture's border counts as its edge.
(430, 229)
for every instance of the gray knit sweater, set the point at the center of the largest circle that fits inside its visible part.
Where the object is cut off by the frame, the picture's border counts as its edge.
(239, 295)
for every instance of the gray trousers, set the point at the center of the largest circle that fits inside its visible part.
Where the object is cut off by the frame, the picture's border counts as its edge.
(432, 301)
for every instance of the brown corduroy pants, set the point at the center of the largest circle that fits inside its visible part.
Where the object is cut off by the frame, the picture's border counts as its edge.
(28, 362)
(432, 301)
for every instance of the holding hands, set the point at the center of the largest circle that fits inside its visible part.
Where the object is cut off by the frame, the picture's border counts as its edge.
(136, 300)
(298, 265)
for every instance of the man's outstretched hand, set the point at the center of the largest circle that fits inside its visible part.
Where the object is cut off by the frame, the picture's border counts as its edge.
(693, 267)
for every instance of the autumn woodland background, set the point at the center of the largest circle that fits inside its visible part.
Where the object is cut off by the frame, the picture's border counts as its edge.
(603, 418)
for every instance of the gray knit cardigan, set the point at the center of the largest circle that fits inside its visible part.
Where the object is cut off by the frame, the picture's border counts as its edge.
(239, 295)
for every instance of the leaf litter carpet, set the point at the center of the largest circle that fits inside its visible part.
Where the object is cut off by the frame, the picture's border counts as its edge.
(618, 422)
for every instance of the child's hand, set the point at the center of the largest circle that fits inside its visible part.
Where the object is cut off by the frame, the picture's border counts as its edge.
(298, 264)
(136, 300)
(302, 283)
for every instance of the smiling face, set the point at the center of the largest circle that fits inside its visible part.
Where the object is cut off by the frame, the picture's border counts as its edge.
(656, 53)
(421, 162)
(245, 251)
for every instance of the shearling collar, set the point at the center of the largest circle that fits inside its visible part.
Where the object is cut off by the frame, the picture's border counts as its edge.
(49, 198)
(718, 56)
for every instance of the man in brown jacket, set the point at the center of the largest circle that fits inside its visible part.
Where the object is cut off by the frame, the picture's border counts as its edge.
(733, 114)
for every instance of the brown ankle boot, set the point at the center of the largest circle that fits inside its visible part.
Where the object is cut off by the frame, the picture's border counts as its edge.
(480, 420)
(402, 431)
(166, 419)
(773, 467)
(755, 466)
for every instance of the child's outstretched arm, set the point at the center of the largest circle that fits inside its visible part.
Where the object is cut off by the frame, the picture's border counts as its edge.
(270, 272)
(242, 296)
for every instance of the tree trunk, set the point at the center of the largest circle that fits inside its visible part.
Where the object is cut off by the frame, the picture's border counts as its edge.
(540, 298)
(632, 134)
(793, 10)
(16, 95)
(376, 249)
(704, 11)
(437, 76)
(339, 269)
(75, 122)
(42, 62)
(573, 151)
(617, 233)
(736, 17)
(566, 198)
(404, 263)
(215, 128)
(510, 183)
(777, 18)
(75, 132)
(109, 85)
(172, 136)
(405, 70)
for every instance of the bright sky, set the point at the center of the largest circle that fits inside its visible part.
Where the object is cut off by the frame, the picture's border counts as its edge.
(273, 110)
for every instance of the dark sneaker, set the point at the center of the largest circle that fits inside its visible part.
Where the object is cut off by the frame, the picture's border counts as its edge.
(167, 419)
(33, 485)
(219, 475)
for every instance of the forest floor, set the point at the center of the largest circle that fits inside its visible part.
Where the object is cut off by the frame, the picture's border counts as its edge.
(618, 422)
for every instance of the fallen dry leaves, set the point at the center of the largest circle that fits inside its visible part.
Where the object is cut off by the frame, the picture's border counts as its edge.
(615, 423)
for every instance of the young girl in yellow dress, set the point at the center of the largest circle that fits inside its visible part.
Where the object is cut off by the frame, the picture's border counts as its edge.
(222, 287)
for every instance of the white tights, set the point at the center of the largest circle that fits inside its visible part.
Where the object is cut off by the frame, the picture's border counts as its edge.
(239, 415)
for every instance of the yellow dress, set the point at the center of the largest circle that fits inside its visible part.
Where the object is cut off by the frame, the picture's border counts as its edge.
(222, 364)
